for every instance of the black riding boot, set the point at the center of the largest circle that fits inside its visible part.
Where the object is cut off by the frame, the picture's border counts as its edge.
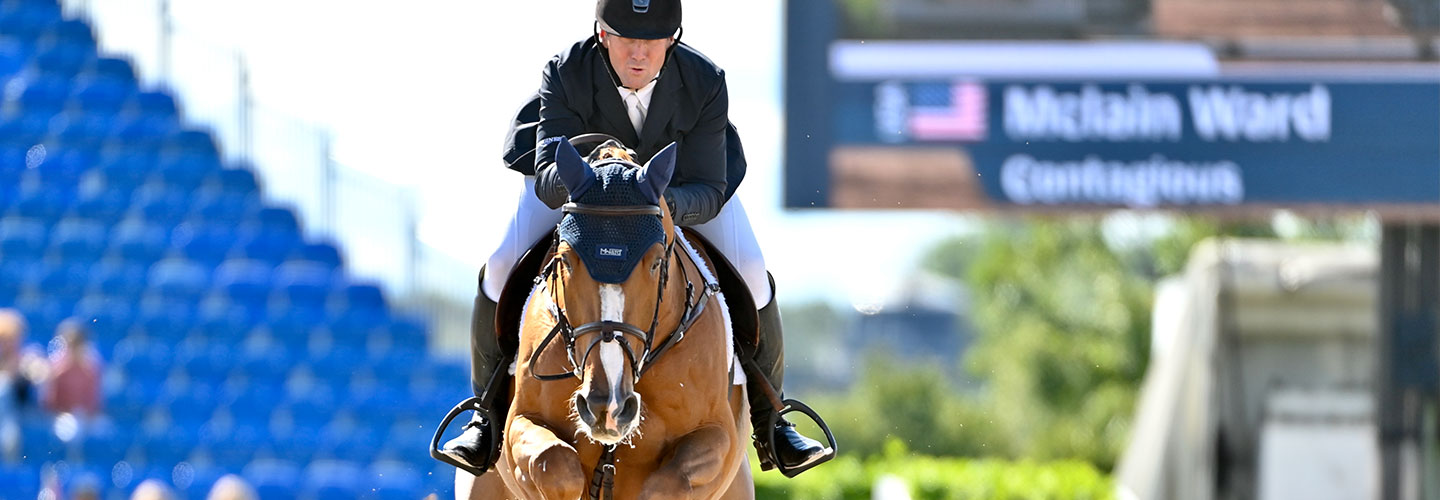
(792, 449)
(474, 446)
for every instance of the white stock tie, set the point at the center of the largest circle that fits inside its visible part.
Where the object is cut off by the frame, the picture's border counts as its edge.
(635, 110)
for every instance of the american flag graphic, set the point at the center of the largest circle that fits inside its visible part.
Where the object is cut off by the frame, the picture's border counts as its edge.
(953, 112)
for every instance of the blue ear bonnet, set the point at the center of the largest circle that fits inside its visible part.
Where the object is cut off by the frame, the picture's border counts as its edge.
(611, 246)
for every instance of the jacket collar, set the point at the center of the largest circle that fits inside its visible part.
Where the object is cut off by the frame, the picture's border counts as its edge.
(662, 104)
(609, 103)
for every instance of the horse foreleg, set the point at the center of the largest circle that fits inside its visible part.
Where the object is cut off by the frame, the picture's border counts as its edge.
(542, 465)
(695, 467)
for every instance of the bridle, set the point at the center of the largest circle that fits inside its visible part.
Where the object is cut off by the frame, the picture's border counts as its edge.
(607, 331)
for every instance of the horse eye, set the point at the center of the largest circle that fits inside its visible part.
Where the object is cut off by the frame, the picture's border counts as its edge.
(655, 266)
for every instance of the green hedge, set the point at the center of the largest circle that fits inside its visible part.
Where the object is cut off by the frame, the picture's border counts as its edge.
(850, 478)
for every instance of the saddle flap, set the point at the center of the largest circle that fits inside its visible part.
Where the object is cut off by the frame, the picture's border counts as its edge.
(510, 309)
(743, 315)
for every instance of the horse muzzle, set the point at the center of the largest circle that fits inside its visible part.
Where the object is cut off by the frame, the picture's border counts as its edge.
(605, 421)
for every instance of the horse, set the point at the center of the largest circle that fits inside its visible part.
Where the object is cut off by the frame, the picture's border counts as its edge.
(625, 381)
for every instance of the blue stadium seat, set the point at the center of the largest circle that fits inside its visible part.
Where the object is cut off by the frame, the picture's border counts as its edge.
(394, 480)
(105, 87)
(407, 334)
(22, 238)
(43, 309)
(333, 479)
(323, 253)
(27, 129)
(142, 130)
(205, 362)
(143, 359)
(168, 319)
(41, 95)
(228, 196)
(64, 280)
(80, 240)
(202, 479)
(383, 404)
(191, 408)
(306, 284)
(363, 313)
(237, 179)
(39, 442)
(186, 171)
(222, 322)
(108, 316)
(228, 209)
(62, 167)
(365, 296)
(272, 248)
(156, 103)
(47, 203)
(254, 404)
(64, 48)
(265, 367)
(339, 360)
(106, 449)
(407, 437)
(293, 328)
(20, 480)
(187, 157)
(313, 408)
(273, 479)
(12, 158)
(204, 241)
(272, 236)
(139, 240)
(27, 19)
(169, 446)
(12, 57)
(126, 169)
(161, 203)
(78, 129)
(113, 69)
(230, 444)
(297, 443)
(97, 202)
(119, 278)
(129, 403)
(244, 281)
(179, 279)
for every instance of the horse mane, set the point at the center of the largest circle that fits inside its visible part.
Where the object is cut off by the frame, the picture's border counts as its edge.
(611, 150)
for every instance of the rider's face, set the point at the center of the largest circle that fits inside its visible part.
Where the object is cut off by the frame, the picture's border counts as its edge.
(637, 61)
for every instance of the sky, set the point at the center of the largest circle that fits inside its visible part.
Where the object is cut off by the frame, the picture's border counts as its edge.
(420, 98)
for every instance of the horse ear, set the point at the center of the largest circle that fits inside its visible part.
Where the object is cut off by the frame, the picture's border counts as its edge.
(655, 175)
(575, 174)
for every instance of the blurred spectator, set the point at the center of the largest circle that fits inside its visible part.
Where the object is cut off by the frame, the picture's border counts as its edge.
(152, 489)
(86, 487)
(74, 385)
(232, 487)
(21, 366)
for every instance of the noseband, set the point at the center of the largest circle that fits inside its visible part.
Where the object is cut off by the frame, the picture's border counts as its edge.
(616, 330)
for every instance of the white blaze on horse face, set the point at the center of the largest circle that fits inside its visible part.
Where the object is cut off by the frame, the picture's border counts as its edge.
(612, 308)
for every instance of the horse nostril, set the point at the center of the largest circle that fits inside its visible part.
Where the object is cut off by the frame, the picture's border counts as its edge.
(630, 410)
(583, 410)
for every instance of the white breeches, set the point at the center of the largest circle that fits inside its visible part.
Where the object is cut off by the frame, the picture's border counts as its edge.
(730, 231)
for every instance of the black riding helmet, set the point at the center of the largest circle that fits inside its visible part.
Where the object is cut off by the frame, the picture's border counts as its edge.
(643, 19)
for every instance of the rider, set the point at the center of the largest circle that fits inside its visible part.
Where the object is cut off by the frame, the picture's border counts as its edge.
(634, 80)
